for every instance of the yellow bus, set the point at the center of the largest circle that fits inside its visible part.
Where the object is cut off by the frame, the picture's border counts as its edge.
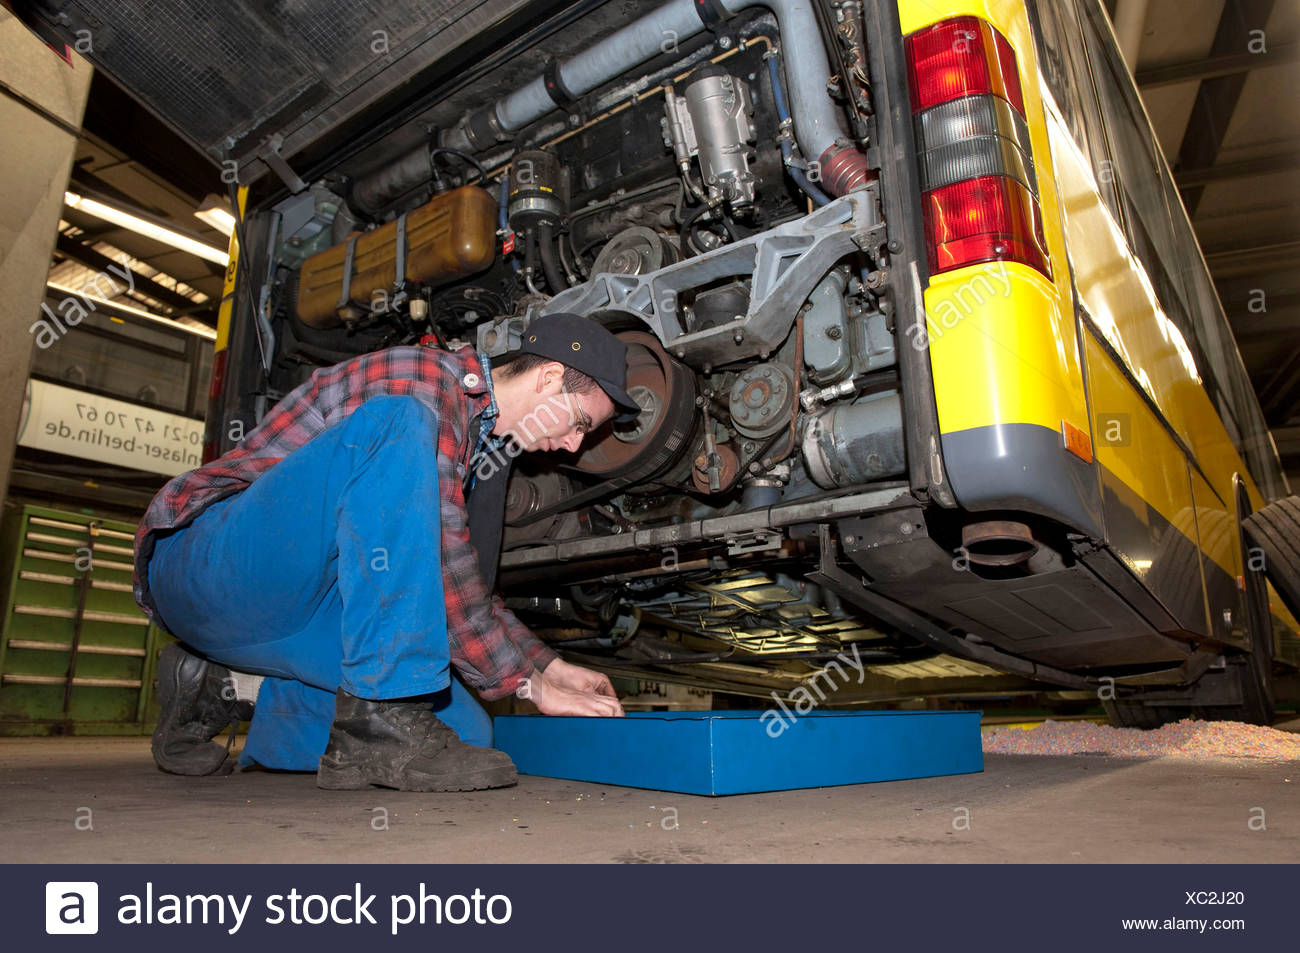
(933, 376)
(1099, 381)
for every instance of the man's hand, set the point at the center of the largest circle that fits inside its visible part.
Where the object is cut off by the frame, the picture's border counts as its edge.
(593, 696)
(578, 679)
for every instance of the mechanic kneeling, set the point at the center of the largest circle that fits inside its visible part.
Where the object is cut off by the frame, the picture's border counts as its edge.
(302, 570)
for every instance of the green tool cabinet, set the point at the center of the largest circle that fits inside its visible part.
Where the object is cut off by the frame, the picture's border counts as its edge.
(77, 655)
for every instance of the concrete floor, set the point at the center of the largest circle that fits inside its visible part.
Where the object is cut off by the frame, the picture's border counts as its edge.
(1085, 808)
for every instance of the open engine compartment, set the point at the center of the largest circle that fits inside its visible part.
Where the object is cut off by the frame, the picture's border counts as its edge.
(711, 198)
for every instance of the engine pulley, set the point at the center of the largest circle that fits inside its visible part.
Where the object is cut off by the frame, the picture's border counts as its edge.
(665, 390)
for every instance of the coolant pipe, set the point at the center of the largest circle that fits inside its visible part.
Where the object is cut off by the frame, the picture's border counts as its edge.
(817, 123)
(818, 126)
(787, 148)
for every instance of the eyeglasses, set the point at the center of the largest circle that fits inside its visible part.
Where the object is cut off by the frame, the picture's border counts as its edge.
(585, 422)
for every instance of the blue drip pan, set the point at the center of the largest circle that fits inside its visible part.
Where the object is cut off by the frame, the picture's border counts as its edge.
(742, 752)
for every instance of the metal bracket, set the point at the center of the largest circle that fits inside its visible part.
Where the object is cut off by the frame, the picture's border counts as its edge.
(400, 280)
(270, 154)
(756, 542)
(784, 263)
(345, 295)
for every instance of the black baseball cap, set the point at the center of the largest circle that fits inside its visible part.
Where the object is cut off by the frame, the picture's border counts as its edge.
(585, 345)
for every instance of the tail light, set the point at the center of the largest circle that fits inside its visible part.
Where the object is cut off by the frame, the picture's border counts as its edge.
(980, 199)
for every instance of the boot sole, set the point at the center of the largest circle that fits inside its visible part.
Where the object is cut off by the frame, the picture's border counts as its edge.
(354, 778)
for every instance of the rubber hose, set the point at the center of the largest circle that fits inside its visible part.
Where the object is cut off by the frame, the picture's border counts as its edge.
(555, 279)
(787, 149)
(687, 224)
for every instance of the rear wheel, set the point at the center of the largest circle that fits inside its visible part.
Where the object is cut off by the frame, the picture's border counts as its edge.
(1274, 533)
(1252, 671)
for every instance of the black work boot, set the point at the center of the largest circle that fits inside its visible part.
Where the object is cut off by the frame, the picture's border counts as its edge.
(404, 745)
(197, 699)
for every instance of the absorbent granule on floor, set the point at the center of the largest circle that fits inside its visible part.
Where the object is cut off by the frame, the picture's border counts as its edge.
(1195, 740)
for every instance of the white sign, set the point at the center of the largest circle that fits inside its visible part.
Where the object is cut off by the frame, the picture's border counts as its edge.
(65, 420)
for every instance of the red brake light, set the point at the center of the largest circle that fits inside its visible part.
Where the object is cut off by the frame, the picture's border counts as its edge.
(991, 218)
(963, 56)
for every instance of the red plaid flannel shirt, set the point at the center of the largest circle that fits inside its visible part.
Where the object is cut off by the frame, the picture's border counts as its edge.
(493, 651)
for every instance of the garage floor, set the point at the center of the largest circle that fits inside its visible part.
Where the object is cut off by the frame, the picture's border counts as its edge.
(1083, 808)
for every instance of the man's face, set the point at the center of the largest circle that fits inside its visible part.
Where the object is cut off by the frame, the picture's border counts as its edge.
(561, 418)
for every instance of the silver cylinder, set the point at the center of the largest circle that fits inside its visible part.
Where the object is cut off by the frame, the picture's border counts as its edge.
(720, 108)
(856, 443)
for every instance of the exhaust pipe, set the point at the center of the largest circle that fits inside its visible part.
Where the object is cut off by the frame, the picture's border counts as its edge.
(998, 543)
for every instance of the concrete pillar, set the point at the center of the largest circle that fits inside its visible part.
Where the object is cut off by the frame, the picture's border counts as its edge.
(42, 100)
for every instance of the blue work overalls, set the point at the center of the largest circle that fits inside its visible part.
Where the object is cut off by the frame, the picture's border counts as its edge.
(325, 572)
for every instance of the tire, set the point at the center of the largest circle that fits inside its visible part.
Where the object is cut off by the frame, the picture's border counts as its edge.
(1276, 531)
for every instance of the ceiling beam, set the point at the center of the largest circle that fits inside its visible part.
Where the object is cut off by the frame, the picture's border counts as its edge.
(1287, 440)
(1215, 66)
(1279, 328)
(1276, 317)
(1217, 97)
(1241, 169)
(100, 262)
(1280, 394)
(1238, 262)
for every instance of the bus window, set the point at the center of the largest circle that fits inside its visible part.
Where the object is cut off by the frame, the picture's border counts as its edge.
(1161, 236)
(1134, 156)
(1241, 416)
(1058, 40)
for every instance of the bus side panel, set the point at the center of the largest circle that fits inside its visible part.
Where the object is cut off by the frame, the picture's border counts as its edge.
(1146, 492)
(1003, 341)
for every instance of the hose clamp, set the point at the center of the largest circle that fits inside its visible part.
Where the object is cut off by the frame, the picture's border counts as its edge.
(560, 94)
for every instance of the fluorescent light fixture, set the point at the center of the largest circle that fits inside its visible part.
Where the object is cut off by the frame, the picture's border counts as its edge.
(109, 306)
(142, 226)
(216, 213)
